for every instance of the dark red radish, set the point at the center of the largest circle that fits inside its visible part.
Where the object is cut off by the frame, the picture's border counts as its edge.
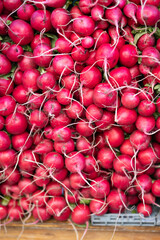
(90, 164)
(64, 96)
(70, 82)
(120, 77)
(114, 136)
(5, 141)
(22, 141)
(60, 121)
(56, 3)
(104, 95)
(11, 5)
(100, 37)
(98, 207)
(139, 140)
(156, 188)
(107, 56)
(20, 32)
(86, 96)
(80, 214)
(41, 176)
(16, 123)
(119, 181)
(84, 145)
(146, 40)
(132, 200)
(144, 209)
(44, 147)
(127, 148)
(117, 199)
(12, 176)
(75, 162)
(52, 108)
(53, 160)
(2, 121)
(126, 116)
(29, 79)
(38, 39)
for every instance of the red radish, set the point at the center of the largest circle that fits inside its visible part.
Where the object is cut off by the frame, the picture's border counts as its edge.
(64, 147)
(123, 164)
(54, 189)
(147, 15)
(40, 20)
(27, 186)
(80, 214)
(84, 25)
(27, 62)
(79, 53)
(75, 162)
(25, 11)
(90, 164)
(28, 161)
(120, 77)
(5, 65)
(74, 110)
(60, 18)
(16, 123)
(107, 56)
(155, 188)
(56, 3)
(2, 120)
(42, 55)
(12, 175)
(143, 183)
(15, 213)
(7, 105)
(126, 148)
(130, 100)
(46, 81)
(105, 156)
(98, 207)
(70, 82)
(146, 40)
(87, 42)
(39, 198)
(114, 137)
(22, 141)
(150, 57)
(132, 200)
(128, 55)
(61, 134)
(126, 116)
(18, 77)
(100, 188)
(29, 79)
(76, 181)
(139, 140)
(56, 205)
(147, 156)
(84, 145)
(64, 96)
(84, 128)
(7, 158)
(45, 146)
(145, 124)
(130, 11)
(86, 96)
(14, 53)
(144, 209)
(63, 64)
(119, 181)
(11, 5)
(75, 12)
(52, 108)
(38, 119)
(53, 160)
(104, 95)
(20, 32)
(116, 199)
(41, 177)
(61, 120)
(38, 39)
(97, 12)
(146, 108)
(106, 121)
(41, 213)
(3, 212)
(90, 77)
(100, 37)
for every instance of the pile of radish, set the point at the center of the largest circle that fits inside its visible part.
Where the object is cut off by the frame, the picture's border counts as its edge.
(79, 108)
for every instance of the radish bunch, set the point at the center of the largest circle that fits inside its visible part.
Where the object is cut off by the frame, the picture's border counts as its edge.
(79, 108)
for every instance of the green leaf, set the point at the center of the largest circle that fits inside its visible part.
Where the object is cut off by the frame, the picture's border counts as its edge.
(1, 38)
(134, 211)
(50, 35)
(139, 60)
(27, 48)
(157, 86)
(84, 201)
(8, 22)
(5, 200)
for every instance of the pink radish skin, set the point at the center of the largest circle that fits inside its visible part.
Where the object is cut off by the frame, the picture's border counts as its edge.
(25, 12)
(126, 148)
(64, 147)
(145, 124)
(143, 183)
(75, 162)
(41, 214)
(76, 181)
(29, 79)
(5, 65)
(84, 145)
(27, 62)
(114, 136)
(122, 164)
(155, 188)
(40, 20)
(44, 147)
(119, 181)
(106, 157)
(114, 199)
(16, 123)
(120, 77)
(90, 77)
(148, 15)
(130, 100)
(147, 156)
(2, 120)
(8, 158)
(84, 128)
(84, 25)
(60, 18)
(3, 212)
(145, 41)
(126, 116)
(42, 55)
(22, 141)
(90, 164)
(27, 186)
(28, 161)
(100, 37)
(106, 121)
(128, 55)
(53, 160)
